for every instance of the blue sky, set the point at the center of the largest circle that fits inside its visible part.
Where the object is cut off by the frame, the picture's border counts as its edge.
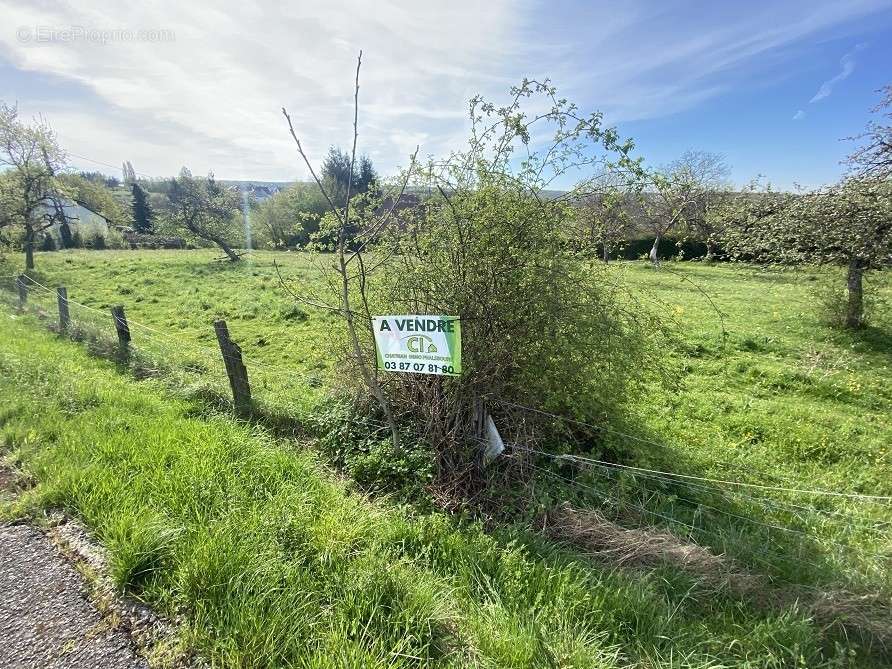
(774, 86)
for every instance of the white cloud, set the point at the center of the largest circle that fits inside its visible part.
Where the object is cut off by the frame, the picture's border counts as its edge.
(211, 98)
(799, 115)
(847, 66)
(660, 59)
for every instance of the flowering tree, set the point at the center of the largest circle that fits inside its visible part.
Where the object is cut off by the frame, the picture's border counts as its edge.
(847, 224)
(30, 191)
(873, 159)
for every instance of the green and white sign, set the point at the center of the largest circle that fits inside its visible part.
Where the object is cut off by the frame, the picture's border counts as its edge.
(418, 344)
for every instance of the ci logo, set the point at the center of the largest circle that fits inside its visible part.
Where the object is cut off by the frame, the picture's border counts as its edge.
(420, 344)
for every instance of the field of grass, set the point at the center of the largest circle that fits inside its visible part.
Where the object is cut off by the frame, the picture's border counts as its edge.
(178, 296)
(275, 562)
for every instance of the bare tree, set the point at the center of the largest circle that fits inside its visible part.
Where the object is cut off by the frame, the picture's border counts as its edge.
(32, 194)
(683, 194)
(353, 236)
(705, 176)
(604, 218)
(661, 207)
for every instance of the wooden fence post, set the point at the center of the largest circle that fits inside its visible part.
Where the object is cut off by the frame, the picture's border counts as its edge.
(22, 284)
(235, 369)
(62, 298)
(121, 327)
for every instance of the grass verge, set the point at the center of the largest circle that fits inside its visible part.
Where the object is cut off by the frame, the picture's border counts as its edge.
(270, 560)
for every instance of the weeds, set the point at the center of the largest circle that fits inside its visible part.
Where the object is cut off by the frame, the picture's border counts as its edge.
(271, 560)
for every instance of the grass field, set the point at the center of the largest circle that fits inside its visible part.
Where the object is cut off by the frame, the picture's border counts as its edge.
(240, 530)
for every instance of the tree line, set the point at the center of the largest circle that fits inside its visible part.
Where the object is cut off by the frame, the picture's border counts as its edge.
(37, 189)
(689, 200)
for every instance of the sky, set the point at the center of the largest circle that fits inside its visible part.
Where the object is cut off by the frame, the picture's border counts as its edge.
(774, 87)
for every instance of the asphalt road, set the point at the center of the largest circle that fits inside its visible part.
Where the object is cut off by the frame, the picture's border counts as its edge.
(46, 618)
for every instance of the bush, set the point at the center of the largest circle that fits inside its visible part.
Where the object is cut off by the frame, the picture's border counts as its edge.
(95, 241)
(114, 239)
(831, 302)
(687, 249)
(542, 324)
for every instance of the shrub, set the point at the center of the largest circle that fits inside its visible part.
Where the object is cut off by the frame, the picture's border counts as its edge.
(542, 324)
(95, 241)
(114, 239)
(832, 303)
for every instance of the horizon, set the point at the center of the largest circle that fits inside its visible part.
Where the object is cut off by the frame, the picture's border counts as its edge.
(775, 90)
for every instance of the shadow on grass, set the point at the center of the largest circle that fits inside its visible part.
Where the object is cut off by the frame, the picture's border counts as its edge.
(875, 339)
(714, 518)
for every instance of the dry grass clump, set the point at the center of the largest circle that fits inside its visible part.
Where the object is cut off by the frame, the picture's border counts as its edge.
(868, 616)
(607, 541)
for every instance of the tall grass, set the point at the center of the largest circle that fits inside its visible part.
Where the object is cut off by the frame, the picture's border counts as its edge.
(271, 560)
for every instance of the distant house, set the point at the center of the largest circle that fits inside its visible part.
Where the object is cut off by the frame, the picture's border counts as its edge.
(79, 218)
(258, 190)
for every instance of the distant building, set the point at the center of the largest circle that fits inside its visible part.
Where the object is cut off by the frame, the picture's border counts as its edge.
(260, 191)
(80, 219)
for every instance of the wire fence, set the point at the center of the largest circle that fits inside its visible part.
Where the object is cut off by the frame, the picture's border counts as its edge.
(682, 502)
(177, 356)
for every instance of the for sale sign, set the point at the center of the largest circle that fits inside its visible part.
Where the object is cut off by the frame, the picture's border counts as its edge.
(419, 344)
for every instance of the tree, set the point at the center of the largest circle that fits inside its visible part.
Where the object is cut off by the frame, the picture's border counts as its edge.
(338, 171)
(128, 173)
(7, 206)
(205, 209)
(705, 177)
(32, 192)
(874, 158)
(290, 217)
(143, 216)
(603, 219)
(661, 206)
(68, 241)
(95, 196)
(684, 195)
(100, 178)
(367, 177)
(849, 224)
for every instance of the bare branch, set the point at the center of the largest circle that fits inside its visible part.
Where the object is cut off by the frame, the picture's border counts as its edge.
(306, 160)
(343, 231)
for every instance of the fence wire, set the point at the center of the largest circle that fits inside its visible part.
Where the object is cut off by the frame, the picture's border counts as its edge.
(187, 360)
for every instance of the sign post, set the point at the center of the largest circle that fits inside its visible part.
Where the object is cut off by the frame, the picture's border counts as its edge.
(418, 344)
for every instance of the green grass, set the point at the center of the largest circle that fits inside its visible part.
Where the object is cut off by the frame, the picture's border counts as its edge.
(223, 522)
(179, 295)
(271, 561)
(768, 394)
